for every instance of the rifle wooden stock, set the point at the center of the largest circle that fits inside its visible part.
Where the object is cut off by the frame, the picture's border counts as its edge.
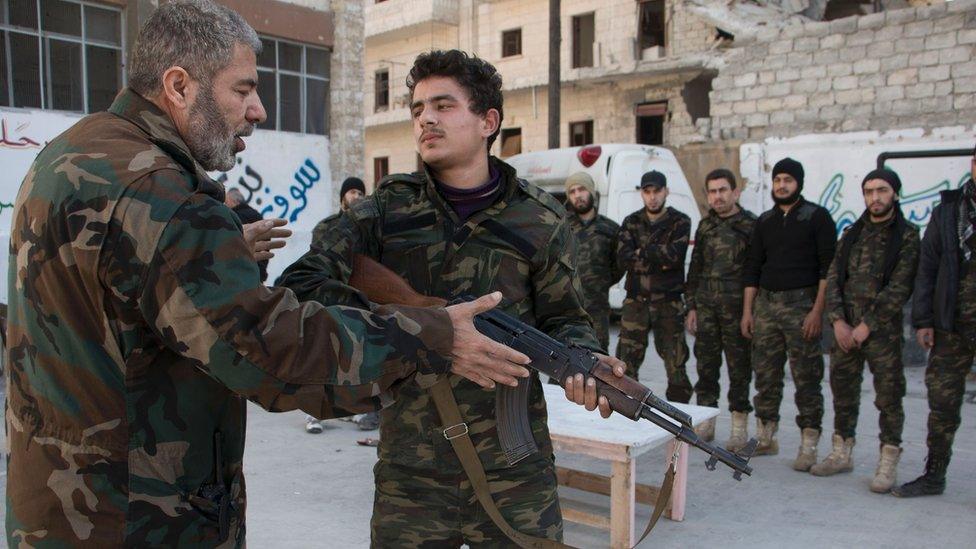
(383, 286)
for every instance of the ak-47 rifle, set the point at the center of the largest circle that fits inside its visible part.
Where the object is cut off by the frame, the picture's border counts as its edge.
(625, 395)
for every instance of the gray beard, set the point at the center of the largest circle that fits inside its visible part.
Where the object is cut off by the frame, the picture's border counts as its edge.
(210, 141)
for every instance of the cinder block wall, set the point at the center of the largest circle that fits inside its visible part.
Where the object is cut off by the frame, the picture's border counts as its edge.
(906, 68)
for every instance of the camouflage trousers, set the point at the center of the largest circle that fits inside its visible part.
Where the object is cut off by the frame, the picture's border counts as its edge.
(425, 509)
(718, 331)
(777, 334)
(882, 352)
(945, 379)
(665, 318)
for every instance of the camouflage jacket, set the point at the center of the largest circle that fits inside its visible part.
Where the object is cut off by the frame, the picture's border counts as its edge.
(521, 245)
(138, 326)
(867, 293)
(324, 226)
(719, 255)
(653, 254)
(597, 259)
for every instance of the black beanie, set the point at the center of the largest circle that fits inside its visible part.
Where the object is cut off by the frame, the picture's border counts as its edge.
(790, 167)
(352, 183)
(887, 176)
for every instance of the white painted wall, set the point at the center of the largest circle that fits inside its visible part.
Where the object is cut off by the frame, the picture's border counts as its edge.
(835, 164)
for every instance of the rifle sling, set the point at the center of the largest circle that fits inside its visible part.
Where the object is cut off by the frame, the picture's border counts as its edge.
(450, 415)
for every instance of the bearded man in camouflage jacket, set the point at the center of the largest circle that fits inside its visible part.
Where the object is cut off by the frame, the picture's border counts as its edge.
(139, 324)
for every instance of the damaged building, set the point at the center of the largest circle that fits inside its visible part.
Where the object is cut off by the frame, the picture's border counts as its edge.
(631, 71)
(680, 72)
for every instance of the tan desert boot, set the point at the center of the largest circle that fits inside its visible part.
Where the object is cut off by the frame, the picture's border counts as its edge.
(706, 430)
(839, 460)
(766, 433)
(740, 432)
(806, 457)
(887, 473)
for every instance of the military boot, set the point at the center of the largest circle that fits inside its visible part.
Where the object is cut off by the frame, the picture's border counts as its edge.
(706, 430)
(740, 433)
(806, 457)
(887, 472)
(766, 433)
(839, 460)
(932, 483)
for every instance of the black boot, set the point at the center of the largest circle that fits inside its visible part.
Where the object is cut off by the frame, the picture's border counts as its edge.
(932, 483)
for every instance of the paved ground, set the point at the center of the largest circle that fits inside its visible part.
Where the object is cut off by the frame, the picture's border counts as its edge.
(316, 491)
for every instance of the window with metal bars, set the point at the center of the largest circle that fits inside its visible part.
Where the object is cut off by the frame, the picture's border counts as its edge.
(60, 54)
(293, 83)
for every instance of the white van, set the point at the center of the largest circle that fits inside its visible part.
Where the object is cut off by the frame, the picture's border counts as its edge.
(616, 169)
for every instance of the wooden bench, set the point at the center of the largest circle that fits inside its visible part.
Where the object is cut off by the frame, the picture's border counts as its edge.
(618, 440)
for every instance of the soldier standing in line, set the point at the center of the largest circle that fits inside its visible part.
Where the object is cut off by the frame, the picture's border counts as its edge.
(352, 190)
(652, 248)
(138, 323)
(869, 281)
(714, 302)
(597, 258)
(463, 225)
(944, 315)
(786, 276)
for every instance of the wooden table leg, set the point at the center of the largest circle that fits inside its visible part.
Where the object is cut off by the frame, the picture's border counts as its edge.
(680, 489)
(623, 493)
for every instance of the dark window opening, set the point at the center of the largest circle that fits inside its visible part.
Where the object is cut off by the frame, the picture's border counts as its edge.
(651, 25)
(382, 90)
(511, 142)
(650, 123)
(724, 36)
(838, 9)
(580, 133)
(584, 36)
(381, 168)
(512, 42)
(695, 95)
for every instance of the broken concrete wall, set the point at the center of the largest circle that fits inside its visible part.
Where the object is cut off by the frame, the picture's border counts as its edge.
(912, 67)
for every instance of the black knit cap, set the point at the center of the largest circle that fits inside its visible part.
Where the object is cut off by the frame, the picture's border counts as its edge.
(885, 175)
(653, 178)
(790, 167)
(352, 183)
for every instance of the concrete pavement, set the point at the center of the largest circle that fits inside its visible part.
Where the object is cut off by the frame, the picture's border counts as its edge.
(316, 490)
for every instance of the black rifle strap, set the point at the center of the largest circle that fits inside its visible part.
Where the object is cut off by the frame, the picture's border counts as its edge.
(450, 415)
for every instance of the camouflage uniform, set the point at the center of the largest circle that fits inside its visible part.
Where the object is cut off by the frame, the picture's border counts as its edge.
(597, 267)
(653, 254)
(323, 227)
(950, 360)
(872, 296)
(138, 326)
(778, 319)
(714, 291)
(520, 245)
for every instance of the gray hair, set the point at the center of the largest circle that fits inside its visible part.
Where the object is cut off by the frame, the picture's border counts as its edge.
(198, 35)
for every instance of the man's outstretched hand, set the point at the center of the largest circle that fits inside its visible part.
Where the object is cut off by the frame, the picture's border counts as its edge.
(264, 236)
(477, 357)
(585, 395)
